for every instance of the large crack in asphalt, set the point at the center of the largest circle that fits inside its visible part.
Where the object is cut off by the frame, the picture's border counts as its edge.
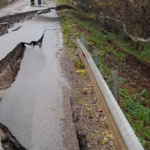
(10, 65)
(9, 142)
(8, 21)
(9, 68)
(35, 43)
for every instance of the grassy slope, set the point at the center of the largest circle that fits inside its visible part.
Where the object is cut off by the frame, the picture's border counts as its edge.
(75, 24)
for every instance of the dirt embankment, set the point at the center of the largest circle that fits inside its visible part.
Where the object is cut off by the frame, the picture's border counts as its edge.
(131, 64)
(9, 67)
(90, 123)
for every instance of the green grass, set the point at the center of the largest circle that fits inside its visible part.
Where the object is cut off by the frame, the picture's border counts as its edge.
(75, 24)
(142, 54)
(137, 115)
(61, 2)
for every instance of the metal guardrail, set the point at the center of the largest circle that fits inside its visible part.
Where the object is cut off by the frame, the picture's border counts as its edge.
(121, 130)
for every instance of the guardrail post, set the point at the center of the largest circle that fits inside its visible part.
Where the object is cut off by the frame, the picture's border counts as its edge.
(115, 84)
(95, 52)
(83, 40)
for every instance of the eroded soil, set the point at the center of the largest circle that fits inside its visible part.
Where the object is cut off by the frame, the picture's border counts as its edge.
(135, 71)
(90, 123)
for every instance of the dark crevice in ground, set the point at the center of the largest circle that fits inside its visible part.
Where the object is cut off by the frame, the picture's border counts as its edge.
(35, 43)
(129, 66)
(9, 68)
(16, 29)
(9, 142)
(90, 124)
(8, 21)
(82, 140)
(10, 65)
(4, 4)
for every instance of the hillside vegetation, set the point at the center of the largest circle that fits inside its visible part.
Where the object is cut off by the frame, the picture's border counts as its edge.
(120, 30)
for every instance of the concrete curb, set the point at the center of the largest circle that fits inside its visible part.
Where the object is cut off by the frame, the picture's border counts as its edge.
(123, 134)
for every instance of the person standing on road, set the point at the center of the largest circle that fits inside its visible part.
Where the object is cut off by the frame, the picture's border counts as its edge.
(32, 2)
(39, 1)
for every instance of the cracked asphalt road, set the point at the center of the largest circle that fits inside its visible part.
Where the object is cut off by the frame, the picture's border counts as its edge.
(22, 6)
(32, 108)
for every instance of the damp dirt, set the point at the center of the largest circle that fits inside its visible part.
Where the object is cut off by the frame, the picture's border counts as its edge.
(87, 114)
(134, 70)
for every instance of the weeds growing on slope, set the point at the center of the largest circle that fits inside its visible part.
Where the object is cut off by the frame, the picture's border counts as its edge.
(135, 98)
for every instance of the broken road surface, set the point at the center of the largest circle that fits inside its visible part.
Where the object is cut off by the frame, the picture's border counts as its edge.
(32, 108)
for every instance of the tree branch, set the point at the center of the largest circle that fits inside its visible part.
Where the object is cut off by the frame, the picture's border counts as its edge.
(135, 39)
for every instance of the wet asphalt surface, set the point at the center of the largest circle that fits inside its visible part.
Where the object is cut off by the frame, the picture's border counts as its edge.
(13, 8)
(32, 107)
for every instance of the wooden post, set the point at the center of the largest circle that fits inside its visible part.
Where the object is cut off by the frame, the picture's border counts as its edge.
(95, 52)
(115, 84)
